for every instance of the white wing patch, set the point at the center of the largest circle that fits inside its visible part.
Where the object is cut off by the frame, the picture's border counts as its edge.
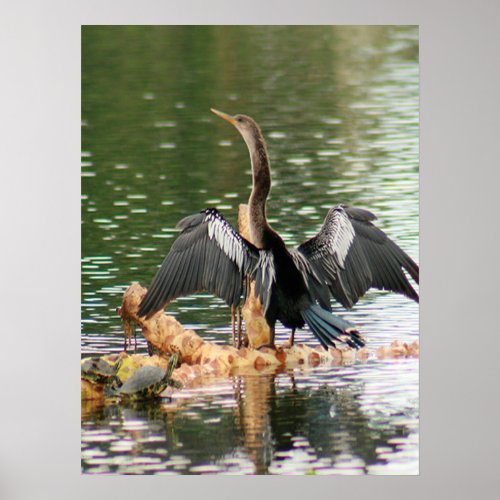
(231, 243)
(340, 234)
(228, 241)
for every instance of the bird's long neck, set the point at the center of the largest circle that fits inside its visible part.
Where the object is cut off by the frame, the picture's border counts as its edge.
(261, 175)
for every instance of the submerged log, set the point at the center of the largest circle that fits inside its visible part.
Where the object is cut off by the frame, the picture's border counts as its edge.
(167, 335)
(399, 349)
(200, 358)
(241, 362)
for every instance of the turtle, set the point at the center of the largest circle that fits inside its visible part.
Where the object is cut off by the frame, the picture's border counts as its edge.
(99, 371)
(149, 381)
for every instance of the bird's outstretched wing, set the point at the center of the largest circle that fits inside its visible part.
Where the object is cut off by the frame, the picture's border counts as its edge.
(352, 255)
(208, 255)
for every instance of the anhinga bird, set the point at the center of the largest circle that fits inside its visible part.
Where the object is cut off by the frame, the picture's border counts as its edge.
(348, 256)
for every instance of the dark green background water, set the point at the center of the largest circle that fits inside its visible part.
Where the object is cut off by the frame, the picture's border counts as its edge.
(339, 109)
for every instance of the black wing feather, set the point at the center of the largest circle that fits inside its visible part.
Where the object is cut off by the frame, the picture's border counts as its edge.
(210, 255)
(352, 255)
(317, 287)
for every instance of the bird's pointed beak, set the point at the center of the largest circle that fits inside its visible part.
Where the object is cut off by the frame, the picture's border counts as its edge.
(224, 116)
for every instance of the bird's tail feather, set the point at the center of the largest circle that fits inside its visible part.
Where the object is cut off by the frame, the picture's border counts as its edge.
(329, 328)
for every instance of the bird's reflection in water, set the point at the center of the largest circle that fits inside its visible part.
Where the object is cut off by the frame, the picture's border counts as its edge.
(325, 422)
(261, 424)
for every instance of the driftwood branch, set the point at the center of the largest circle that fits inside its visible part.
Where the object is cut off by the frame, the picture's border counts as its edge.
(200, 357)
(167, 335)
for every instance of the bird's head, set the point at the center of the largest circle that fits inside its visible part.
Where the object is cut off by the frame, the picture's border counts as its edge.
(245, 125)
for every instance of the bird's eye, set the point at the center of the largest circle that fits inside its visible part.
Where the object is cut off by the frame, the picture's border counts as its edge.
(239, 119)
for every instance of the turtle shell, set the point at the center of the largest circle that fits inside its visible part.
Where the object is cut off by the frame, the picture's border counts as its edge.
(147, 381)
(98, 370)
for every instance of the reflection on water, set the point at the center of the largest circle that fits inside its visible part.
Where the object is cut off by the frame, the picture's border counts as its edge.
(339, 109)
(326, 421)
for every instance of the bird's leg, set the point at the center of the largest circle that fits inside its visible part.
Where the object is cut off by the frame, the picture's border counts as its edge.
(150, 348)
(232, 326)
(291, 340)
(130, 327)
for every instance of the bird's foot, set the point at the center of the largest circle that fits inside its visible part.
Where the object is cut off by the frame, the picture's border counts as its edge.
(291, 340)
(243, 342)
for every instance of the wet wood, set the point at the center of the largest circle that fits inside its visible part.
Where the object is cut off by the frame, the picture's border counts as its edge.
(200, 359)
(256, 328)
(200, 366)
(399, 349)
(167, 335)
